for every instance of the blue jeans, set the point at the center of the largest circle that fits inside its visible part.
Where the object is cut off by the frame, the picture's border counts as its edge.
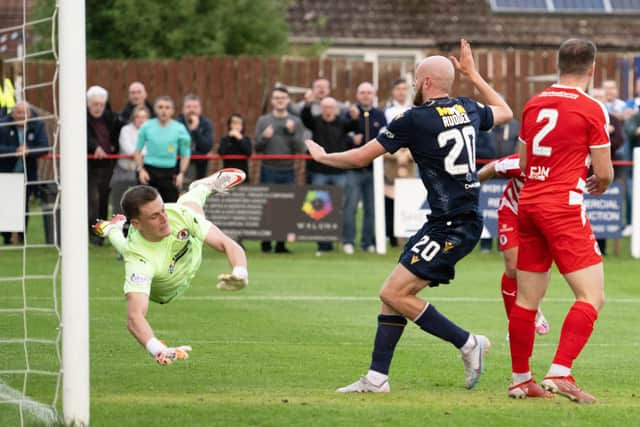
(339, 180)
(276, 176)
(359, 186)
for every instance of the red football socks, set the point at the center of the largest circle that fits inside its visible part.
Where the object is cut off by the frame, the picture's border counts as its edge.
(576, 330)
(522, 325)
(509, 288)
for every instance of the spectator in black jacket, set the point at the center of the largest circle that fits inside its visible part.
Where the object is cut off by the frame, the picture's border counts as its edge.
(201, 130)
(103, 129)
(24, 147)
(137, 96)
(360, 181)
(235, 142)
(332, 132)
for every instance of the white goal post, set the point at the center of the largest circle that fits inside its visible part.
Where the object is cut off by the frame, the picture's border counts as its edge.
(635, 210)
(74, 230)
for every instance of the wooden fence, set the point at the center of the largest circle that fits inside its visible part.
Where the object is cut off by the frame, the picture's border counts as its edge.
(241, 84)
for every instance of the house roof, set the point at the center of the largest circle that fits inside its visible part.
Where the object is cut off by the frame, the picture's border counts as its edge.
(441, 23)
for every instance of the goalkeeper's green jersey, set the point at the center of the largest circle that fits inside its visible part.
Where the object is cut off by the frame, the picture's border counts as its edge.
(163, 270)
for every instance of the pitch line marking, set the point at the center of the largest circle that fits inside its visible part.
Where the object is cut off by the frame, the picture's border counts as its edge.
(334, 298)
(329, 298)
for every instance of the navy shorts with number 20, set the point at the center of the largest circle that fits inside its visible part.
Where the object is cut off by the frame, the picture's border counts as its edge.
(434, 250)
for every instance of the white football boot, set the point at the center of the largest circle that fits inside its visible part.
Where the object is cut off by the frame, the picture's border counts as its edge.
(221, 181)
(474, 361)
(363, 385)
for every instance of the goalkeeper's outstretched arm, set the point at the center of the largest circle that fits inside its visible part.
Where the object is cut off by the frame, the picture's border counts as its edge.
(137, 306)
(239, 277)
(118, 241)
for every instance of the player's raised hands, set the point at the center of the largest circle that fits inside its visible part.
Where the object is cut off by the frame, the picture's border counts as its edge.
(316, 150)
(465, 65)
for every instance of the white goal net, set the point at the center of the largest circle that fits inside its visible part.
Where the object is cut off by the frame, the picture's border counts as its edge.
(34, 387)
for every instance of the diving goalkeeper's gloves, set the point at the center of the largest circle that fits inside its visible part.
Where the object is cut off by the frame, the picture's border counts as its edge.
(166, 355)
(238, 279)
(102, 227)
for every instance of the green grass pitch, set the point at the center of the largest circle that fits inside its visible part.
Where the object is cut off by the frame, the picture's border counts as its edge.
(273, 354)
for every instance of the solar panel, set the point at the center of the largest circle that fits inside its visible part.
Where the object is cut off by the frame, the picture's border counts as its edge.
(618, 6)
(566, 6)
(580, 6)
(519, 5)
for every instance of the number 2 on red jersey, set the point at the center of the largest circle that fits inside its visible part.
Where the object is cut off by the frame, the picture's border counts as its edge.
(551, 115)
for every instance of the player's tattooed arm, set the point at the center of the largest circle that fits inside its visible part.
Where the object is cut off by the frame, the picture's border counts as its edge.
(466, 66)
(355, 158)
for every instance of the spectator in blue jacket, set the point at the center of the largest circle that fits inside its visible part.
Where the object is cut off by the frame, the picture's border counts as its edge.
(22, 144)
(360, 181)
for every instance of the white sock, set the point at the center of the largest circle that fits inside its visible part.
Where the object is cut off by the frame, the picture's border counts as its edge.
(520, 378)
(376, 378)
(558, 371)
(469, 345)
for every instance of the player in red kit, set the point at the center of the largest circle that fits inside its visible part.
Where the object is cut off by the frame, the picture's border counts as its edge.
(563, 132)
(509, 167)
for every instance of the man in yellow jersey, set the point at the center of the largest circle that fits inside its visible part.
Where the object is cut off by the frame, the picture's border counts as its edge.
(163, 251)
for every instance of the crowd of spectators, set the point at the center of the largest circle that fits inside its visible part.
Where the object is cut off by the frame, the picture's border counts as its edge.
(161, 147)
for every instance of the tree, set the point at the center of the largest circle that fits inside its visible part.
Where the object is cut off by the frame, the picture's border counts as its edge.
(169, 29)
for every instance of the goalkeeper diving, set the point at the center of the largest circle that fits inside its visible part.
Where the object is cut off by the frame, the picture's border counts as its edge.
(163, 251)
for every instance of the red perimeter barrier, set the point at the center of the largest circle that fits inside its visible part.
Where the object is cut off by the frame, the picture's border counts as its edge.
(272, 157)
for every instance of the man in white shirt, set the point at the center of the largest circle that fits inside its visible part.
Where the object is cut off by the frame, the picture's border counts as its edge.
(399, 100)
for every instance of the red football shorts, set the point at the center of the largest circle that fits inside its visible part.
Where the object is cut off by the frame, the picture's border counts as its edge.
(507, 229)
(563, 236)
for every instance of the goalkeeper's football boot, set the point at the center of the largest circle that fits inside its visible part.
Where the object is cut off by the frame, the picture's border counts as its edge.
(528, 389)
(363, 385)
(102, 227)
(567, 387)
(221, 181)
(542, 326)
(474, 361)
